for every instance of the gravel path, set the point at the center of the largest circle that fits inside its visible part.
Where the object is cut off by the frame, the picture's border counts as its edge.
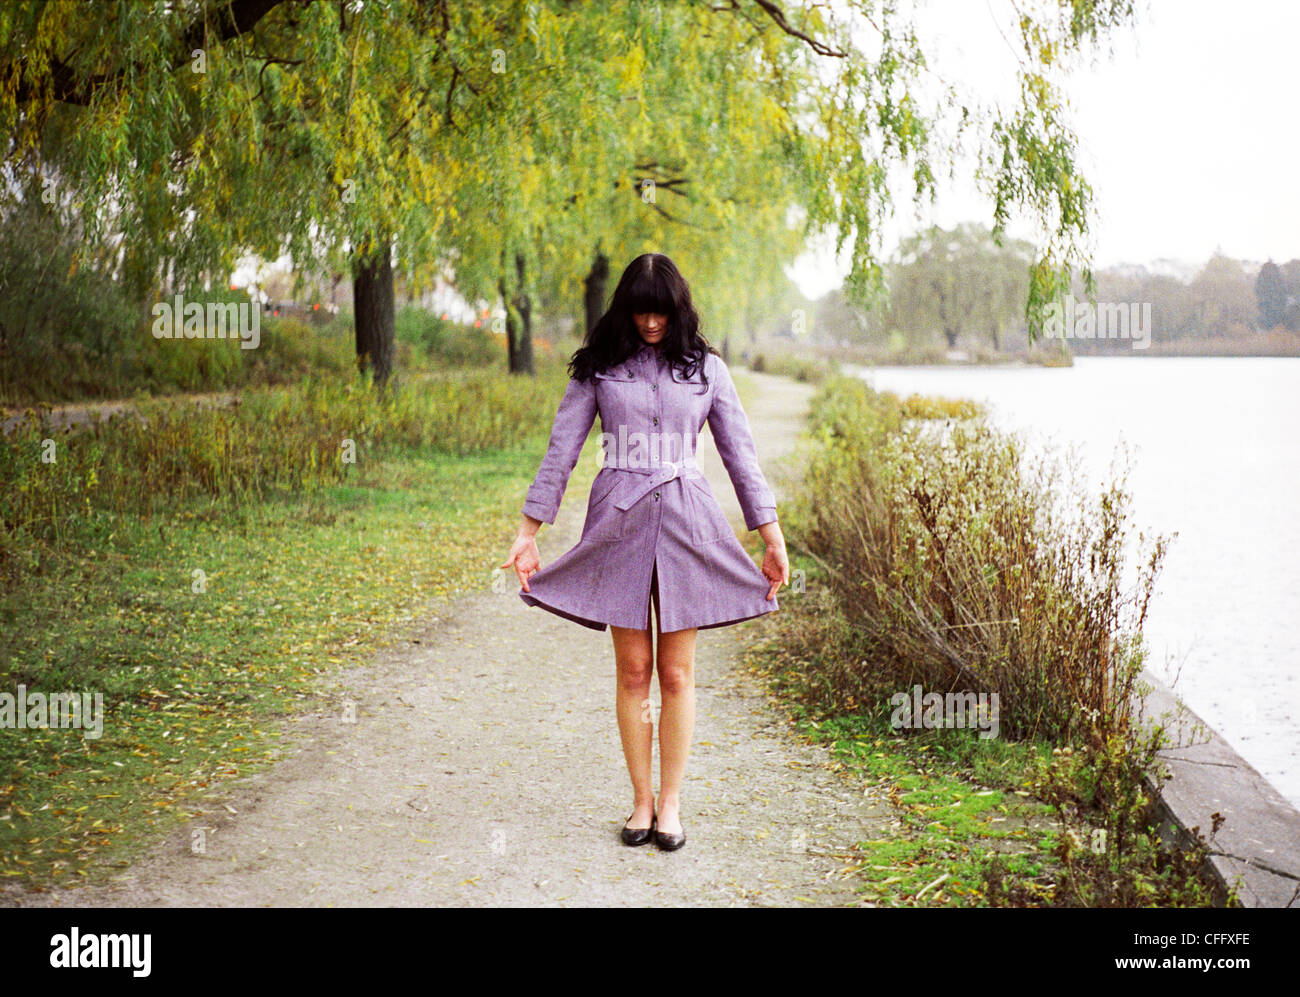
(484, 768)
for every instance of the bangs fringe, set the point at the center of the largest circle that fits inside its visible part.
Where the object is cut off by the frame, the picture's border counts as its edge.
(650, 293)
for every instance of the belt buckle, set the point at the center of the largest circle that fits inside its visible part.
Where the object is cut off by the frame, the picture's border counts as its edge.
(677, 469)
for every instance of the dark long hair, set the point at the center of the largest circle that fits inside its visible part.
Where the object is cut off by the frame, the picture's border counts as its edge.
(651, 283)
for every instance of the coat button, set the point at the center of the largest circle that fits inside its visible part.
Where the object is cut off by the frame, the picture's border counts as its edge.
(656, 496)
(654, 387)
(656, 421)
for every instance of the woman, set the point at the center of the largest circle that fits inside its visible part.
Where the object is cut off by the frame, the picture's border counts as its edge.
(653, 531)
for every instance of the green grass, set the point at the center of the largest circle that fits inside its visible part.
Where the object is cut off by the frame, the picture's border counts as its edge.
(953, 800)
(297, 582)
(194, 682)
(971, 822)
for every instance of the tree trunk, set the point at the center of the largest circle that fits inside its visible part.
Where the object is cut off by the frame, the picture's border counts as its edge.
(595, 284)
(519, 321)
(372, 300)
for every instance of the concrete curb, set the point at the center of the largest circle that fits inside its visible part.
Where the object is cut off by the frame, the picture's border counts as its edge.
(1257, 849)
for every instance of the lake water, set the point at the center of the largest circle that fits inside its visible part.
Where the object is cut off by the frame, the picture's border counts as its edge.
(1214, 447)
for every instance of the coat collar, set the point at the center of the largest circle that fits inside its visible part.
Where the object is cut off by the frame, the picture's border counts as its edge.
(648, 354)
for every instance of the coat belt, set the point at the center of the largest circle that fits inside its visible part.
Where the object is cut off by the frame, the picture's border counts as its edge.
(656, 476)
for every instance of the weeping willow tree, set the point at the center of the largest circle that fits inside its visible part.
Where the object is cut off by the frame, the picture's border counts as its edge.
(522, 146)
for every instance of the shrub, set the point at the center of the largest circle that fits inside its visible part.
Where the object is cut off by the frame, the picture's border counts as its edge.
(61, 324)
(447, 343)
(808, 369)
(961, 563)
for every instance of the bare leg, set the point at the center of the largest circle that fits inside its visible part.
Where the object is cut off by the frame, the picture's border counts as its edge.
(676, 661)
(632, 656)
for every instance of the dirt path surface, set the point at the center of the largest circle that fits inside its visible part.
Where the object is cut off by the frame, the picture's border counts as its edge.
(484, 768)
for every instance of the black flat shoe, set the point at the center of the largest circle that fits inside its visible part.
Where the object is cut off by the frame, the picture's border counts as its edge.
(639, 835)
(670, 842)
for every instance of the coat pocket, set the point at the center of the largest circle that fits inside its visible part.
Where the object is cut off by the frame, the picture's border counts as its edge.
(604, 521)
(708, 521)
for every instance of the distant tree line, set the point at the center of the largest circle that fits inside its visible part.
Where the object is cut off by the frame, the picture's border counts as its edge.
(960, 289)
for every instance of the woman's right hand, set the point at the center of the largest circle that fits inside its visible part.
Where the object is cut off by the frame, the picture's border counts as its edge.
(524, 557)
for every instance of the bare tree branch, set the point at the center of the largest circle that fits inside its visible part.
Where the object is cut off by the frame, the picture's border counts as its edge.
(778, 16)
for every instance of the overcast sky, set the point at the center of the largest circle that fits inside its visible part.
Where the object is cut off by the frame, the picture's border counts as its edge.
(1190, 132)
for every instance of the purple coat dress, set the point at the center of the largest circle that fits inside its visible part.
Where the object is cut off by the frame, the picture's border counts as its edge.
(651, 511)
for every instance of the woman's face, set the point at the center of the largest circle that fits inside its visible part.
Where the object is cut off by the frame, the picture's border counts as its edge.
(652, 326)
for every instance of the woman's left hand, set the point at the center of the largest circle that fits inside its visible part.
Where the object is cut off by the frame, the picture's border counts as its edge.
(776, 565)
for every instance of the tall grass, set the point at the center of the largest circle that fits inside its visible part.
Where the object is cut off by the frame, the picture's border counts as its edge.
(946, 556)
(321, 431)
(960, 562)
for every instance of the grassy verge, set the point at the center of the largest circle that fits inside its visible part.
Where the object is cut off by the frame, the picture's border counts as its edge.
(206, 608)
(799, 366)
(934, 554)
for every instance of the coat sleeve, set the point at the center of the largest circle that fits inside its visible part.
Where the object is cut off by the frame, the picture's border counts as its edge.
(573, 421)
(730, 429)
